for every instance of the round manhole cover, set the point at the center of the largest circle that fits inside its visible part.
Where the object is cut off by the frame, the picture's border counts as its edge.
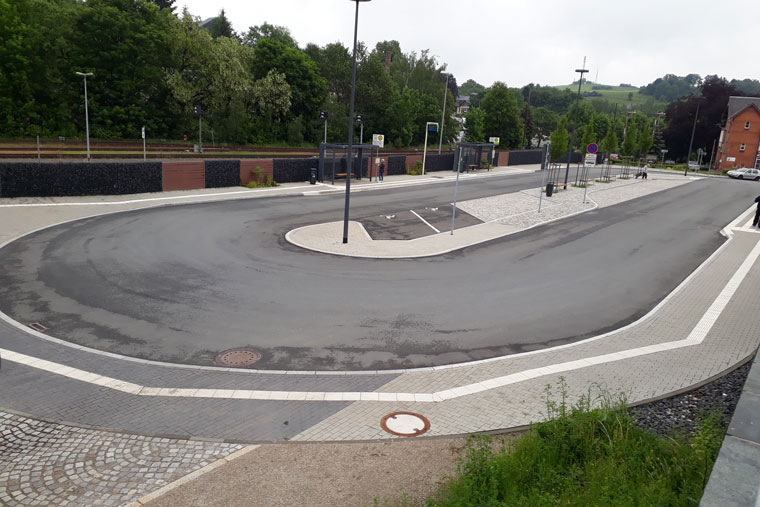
(405, 424)
(237, 358)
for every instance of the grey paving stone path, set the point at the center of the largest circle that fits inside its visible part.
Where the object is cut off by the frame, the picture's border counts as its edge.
(44, 463)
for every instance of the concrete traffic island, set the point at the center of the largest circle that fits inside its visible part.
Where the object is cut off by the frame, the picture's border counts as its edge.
(500, 215)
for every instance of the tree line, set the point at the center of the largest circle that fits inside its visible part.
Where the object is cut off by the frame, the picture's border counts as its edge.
(163, 70)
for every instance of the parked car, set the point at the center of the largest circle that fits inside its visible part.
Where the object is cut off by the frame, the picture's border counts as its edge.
(670, 162)
(745, 173)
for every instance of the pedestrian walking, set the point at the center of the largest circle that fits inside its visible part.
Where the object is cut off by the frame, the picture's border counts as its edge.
(644, 171)
(757, 213)
(382, 169)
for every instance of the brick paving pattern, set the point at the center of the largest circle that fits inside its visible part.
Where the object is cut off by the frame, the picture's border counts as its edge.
(43, 463)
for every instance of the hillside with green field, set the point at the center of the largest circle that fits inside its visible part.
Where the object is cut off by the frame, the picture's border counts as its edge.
(605, 97)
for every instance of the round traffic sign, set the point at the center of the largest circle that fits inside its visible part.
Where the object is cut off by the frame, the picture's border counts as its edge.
(592, 148)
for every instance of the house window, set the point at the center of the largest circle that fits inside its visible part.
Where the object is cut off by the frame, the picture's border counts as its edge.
(746, 126)
(742, 147)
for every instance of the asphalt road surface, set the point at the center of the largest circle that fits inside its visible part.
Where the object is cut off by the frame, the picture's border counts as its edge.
(182, 283)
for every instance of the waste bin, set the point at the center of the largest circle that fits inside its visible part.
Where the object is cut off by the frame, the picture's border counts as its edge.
(313, 176)
(549, 189)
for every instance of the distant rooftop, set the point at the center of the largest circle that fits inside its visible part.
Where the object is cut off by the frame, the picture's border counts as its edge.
(738, 104)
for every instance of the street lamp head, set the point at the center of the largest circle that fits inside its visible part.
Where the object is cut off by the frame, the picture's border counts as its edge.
(83, 73)
(581, 70)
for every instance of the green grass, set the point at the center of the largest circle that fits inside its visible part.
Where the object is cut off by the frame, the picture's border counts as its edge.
(618, 95)
(583, 457)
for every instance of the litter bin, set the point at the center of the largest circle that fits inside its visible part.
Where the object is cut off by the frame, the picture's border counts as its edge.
(549, 189)
(313, 176)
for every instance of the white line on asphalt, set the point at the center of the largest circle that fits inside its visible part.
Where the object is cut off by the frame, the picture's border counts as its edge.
(695, 337)
(153, 199)
(426, 222)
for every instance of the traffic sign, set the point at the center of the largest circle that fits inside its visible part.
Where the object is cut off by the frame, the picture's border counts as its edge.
(378, 140)
(433, 128)
(592, 148)
(494, 140)
(663, 151)
(590, 160)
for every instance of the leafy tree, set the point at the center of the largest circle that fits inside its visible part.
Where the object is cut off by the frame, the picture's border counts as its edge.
(16, 62)
(220, 26)
(164, 4)
(475, 126)
(670, 87)
(334, 62)
(503, 116)
(374, 92)
(589, 134)
(715, 92)
(308, 88)
(529, 129)
(555, 99)
(545, 122)
(645, 141)
(280, 34)
(751, 87)
(630, 141)
(402, 113)
(471, 86)
(602, 124)
(560, 140)
(610, 142)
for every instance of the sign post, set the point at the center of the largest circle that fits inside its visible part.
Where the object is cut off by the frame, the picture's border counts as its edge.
(429, 127)
(143, 138)
(495, 141)
(663, 156)
(379, 141)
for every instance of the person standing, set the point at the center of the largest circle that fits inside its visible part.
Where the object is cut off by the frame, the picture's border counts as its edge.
(644, 171)
(382, 169)
(757, 213)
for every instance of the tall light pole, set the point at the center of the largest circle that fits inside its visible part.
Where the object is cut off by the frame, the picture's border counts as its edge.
(691, 143)
(323, 115)
(86, 112)
(575, 119)
(428, 129)
(360, 121)
(443, 114)
(351, 126)
(656, 117)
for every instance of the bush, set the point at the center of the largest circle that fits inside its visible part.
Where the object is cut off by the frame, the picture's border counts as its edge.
(586, 456)
(414, 171)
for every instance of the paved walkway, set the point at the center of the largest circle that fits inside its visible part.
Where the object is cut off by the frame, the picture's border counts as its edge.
(704, 327)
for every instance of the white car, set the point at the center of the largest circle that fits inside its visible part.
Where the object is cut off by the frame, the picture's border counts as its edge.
(746, 173)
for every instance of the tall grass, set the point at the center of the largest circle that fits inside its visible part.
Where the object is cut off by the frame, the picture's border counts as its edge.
(586, 456)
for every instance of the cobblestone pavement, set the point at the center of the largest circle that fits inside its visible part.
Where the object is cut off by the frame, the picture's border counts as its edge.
(44, 463)
(707, 325)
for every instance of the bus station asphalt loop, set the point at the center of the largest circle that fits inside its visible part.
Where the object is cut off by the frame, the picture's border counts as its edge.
(182, 283)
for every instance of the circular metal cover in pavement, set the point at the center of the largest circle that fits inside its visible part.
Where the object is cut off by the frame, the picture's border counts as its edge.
(237, 358)
(405, 424)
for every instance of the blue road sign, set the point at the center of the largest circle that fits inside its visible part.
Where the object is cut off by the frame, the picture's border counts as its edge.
(592, 148)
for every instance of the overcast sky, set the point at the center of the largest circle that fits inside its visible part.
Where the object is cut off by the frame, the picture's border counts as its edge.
(524, 41)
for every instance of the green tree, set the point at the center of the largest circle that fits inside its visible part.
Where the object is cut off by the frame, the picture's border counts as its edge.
(280, 34)
(164, 4)
(530, 128)
(471, 86)
(560, 140)
(308, 88)
(17, 109)
(610, 142)
(645, 141)
(589, 135)
(475, 126)
(402, 114)
(503, 116)
(630, 141)
(545, 122)
(220, 26)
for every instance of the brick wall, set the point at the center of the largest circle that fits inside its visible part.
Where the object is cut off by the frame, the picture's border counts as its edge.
(248, 166)
(735, 136)
(183, 175)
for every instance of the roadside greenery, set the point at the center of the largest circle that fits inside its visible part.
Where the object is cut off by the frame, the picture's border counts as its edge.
(586, 456)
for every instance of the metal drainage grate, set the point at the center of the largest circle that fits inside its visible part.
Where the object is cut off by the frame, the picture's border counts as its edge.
(38, 327)
(237, 358)
(405, 424)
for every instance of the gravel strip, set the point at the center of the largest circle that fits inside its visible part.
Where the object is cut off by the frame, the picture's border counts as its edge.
(681, 412)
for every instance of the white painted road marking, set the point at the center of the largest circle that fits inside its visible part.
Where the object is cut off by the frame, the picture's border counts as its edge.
(695, 337)
(425, 221)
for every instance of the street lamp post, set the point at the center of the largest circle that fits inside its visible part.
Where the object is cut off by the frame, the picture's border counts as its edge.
(351, 126)
(443, 114)
(575, 120)
(360, 121)
(691, 143)
(323, 115)
(86, 112)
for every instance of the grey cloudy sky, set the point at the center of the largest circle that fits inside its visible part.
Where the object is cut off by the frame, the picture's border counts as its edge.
(523, 41)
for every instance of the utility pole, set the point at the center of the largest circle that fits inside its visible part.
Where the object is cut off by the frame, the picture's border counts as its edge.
(691, 143)
(86, 112)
